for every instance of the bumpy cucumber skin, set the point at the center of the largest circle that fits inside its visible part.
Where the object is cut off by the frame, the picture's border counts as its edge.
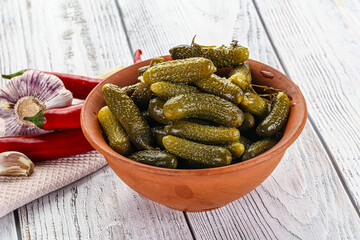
(258, 148)
(241, 76)
(244, 141)
(202, 133)
(249, 122)
(221, 87)
(236, 149)
(156, 158)
(221, 56)
(153, 62)
(158, 134)
(276, 118)
(142, 95)
(115, 133)
(130, 89)
(212, 156)
(129, 115)
(204, 106)
(156, 60)
(255, 105)
(167, 90)
(156, 110)
(180, 71)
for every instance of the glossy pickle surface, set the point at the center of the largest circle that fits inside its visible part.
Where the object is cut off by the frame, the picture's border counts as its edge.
(180, 71)
(115, 133)
(223, 56)
(204, 106)
(202, 133)
(129, 115)
(186, 137)
(213, 156)
(277, 117)
(166, 90)
(221, 87)
(157, 158)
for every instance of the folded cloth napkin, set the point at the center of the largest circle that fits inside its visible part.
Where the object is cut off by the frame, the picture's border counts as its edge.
(47, 177)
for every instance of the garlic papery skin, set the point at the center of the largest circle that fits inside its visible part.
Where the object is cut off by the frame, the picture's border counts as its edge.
(26, 95)
(15, 164)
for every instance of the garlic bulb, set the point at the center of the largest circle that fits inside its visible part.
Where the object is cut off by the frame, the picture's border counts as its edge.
(15, 164)
(25, 96)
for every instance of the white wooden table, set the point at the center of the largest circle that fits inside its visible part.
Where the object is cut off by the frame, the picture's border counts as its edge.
(314, 193)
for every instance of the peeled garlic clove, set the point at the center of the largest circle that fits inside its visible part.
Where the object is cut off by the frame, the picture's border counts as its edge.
(15, 164)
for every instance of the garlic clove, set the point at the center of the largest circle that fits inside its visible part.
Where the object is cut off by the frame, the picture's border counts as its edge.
(15, 164)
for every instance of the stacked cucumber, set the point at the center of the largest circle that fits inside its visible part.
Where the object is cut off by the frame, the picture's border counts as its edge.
(182, 115)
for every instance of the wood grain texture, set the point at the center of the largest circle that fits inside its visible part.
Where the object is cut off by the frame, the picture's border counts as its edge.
(304, 197)
(100, 206)
(8, 227)
(83, 38)
(325, 61)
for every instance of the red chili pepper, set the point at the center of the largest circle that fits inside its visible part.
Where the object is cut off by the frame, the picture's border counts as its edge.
(47, 146)
(79, 86)
(57, 118)
(137, 56)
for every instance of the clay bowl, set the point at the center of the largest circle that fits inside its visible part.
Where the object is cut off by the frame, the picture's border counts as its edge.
(198, 189)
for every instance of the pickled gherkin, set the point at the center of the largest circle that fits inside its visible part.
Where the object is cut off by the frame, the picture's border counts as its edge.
(156, 158)
(156, 60)
(221, 87)
(241, 76)
(249, 122)
(196, 116)
(202, 133)
(129, 115)
(276, 118)
(115, 133)
(167, 90)
(142, 95)
(255, 105)
(141, 70)
(156, 110)
(258, 148)
(244, 141)
(236, 149)
(158, 134)
(204, 106)
(153, 62)
(222, 56)
(130, 89)
(212, 156)
(180, 71)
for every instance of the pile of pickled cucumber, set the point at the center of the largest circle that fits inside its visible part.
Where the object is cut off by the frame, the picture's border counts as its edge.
(182, 115)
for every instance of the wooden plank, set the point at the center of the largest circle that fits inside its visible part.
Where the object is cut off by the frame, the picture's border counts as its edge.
(100, 206)
(304, 197)
(324, 60)
(83, 38)
(8, 227)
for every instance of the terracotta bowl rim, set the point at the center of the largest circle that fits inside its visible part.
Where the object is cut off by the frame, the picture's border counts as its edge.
(280, 147)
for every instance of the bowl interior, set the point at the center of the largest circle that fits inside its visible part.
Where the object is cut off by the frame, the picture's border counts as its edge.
(260, 73)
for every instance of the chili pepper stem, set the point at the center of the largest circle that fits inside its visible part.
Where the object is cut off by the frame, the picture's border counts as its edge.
(38, 119)
(11, 75)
